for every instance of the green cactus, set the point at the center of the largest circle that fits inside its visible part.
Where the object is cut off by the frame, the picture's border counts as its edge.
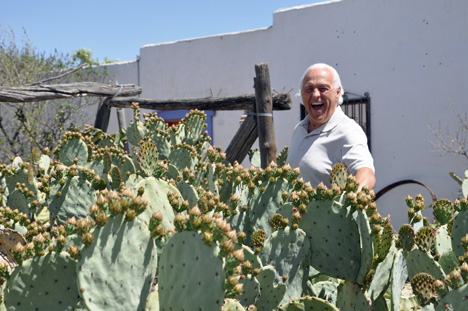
(332, 230)
(308, 303)
(419, 261)
(406, 237)
(70, 198)
(201, 288)
(339, 175)
(352, 297)
(443, 211)
(270, 294)
(73, 149)
(155, 192)
(287, 251)
(425, 238)
(43, 283)
(458, 230)
(454, 300)
(423, 285)
(116, 272)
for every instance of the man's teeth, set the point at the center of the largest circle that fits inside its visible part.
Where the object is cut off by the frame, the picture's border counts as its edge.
(317, 104)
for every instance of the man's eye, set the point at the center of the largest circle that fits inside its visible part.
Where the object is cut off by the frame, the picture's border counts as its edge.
(323, 89)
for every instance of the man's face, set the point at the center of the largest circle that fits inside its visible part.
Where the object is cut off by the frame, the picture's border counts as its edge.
(319, 96)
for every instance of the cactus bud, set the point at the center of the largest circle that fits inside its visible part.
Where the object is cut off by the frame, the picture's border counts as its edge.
(88, 239)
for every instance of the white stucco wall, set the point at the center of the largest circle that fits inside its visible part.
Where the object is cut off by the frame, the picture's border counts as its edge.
(411, 56)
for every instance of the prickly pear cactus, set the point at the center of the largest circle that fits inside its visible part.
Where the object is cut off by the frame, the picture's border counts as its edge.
(332, 231)
(287, 251)
(70, 197)
(423, 285)
(73, 147)
(338, 175)
(270, 294)
(191, 275)
(352, 297)
(116, 272)
(308, 303)
(43, 283)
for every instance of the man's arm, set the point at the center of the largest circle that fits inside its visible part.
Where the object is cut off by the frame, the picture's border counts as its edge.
(365, 176)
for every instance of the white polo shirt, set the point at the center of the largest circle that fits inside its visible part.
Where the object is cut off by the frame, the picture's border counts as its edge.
(340, 140)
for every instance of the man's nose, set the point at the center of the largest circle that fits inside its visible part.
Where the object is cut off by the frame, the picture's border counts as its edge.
(315, 92)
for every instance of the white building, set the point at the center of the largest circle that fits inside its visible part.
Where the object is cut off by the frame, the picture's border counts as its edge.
(411, 56)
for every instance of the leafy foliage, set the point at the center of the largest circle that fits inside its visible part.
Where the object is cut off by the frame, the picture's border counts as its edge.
(24, 126)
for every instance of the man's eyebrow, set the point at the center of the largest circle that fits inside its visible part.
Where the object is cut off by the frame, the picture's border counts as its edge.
(318, 85)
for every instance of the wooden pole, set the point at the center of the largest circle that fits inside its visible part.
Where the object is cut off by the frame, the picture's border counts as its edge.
(264, 104)
(242, 142)
(243, 102)
(102, 116)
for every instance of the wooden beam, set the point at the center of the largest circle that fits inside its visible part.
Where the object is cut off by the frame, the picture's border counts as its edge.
(244, 102)
(35, 93)
(102, 116)
(264, 104)
(242, 142)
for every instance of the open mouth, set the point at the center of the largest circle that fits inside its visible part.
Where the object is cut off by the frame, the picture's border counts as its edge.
(317, 106)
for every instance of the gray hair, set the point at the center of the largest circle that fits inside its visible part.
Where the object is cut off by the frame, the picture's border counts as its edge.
(336, 80)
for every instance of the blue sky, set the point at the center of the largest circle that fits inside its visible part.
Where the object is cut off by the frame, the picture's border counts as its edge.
(117, 29)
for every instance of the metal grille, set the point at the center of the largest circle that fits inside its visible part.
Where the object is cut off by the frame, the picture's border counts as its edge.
(356, 107)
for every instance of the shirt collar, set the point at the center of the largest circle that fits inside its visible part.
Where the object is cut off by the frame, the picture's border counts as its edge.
(327, 127)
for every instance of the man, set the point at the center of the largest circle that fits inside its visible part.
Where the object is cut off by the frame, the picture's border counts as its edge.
(327, 136)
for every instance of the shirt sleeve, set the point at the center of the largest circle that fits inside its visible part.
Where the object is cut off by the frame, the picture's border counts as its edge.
(355, 151)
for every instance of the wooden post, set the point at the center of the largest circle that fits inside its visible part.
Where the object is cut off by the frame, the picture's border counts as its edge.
(264, 104)
(102, 116)
(242, 142)
(122, 124)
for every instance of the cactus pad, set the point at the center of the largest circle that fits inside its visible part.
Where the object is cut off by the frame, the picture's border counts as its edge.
(116, 272)
(286, 250)
(352, 297)
(424, 288)
(334, 239)
(74, 198)
(308, 303)
(443, 211)
(43, 283)
(191, 275)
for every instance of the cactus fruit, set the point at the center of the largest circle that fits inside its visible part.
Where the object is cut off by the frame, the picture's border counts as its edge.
(454, 279)
(232, 305)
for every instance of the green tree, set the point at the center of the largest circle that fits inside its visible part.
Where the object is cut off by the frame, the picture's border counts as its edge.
(24, 126)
